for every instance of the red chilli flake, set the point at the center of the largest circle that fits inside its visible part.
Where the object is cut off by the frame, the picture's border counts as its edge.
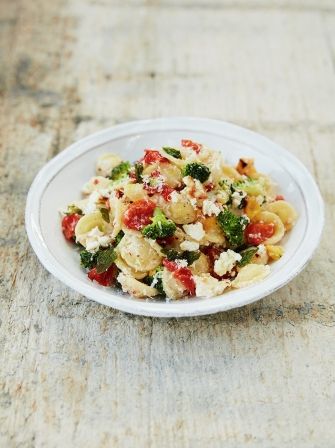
(139, 214)
(184, 275)
(69, 223)
(105, 278)
(190, 144)
(209, 187)
(152, 156)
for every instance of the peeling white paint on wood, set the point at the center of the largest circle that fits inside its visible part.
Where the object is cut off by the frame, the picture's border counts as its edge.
(74, 373)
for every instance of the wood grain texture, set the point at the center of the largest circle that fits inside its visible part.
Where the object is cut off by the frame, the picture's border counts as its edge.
(75, 373)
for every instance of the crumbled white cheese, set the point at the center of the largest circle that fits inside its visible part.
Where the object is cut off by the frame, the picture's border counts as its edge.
(209, 208)
(181, 263)
(91, 205)
(237, 197)
(208, 286)
(226, 262)
(195, 231)
(95, 238)
(189, 245)
(193, 202)
(174, 196)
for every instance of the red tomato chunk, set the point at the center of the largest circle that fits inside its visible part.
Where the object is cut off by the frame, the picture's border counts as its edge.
(105, 278)
(256, 233)
(69, 223)
(153, 156)
(138, 214)
(184, 275)
(190, 144)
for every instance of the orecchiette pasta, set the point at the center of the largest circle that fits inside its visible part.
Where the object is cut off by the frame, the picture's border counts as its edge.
(178, 222)
(284, 210)
(137, 252)
(134, 287)
(249, 274)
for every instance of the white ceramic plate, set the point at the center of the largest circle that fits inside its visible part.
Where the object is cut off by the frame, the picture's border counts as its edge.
(60, 181)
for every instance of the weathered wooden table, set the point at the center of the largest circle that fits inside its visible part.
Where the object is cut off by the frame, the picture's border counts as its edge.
(77, 374)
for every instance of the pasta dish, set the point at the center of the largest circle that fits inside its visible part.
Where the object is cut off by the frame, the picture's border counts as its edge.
(178, 223)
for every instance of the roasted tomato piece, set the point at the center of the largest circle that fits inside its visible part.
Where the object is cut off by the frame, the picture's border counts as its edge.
(106, 278)
(183, 274)
(166, 192)
(153, 156)
(138, 214)
(279, 197)
(257, 232)
(190, 144)
(69, 223)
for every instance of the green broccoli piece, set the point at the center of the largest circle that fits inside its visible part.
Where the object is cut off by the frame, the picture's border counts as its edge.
(87, 259)
(172, 152)
(197, 171)
(120, 171)
(233, 227)
(253, 187)
(161, 227)
(156, 280)
(189, 256)
(247, 255)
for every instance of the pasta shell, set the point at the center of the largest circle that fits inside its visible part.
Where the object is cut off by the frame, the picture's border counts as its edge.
(122, 265)
(181, 212)
(138, 253)
(249, 274)
(134, 287)
(172, 287)
(89, 222)
(284, 210)
(269, 217)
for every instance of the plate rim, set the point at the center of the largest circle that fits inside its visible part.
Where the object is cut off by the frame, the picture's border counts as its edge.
(147, 307)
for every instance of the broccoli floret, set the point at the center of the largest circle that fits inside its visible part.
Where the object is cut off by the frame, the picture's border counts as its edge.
(253, 187)
(233, 227)
(156, 280)
(161, 227)
(197, 171)
(87, 259)
(120, 171)
(247, 255)
(172, 152)
(189, 256)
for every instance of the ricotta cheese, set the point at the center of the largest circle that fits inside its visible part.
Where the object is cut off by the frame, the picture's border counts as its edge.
(226, 262)
(209, 208)
(195, 231)
(208, 286)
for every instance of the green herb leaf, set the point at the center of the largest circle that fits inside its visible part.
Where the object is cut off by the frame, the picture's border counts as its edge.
(120, 171)
(138, 172)
(87, 259)
(105, 259)
(118, 238)
(105, 214)
(247, 255)
(233, 227)
(191, 256)
(172, 152)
